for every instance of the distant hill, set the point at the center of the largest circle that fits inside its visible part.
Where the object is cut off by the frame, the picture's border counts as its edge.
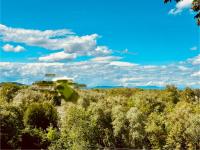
(150, 87)
(141, 87)
(107, 87)
(16, 83)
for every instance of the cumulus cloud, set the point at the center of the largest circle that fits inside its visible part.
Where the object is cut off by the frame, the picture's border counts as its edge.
(182, 68)
(63, 39)
(101, 50)
(196, 74)
(11, 48)
(106, 58)
(102, 69)
(180, 6)
(195, 60)
(57, 57)
(122, 64)
(30, 35)
(125, 51)
(62, 78)
(112, 72)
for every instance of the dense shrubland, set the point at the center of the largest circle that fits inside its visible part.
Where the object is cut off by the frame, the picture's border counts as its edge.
(59, 115)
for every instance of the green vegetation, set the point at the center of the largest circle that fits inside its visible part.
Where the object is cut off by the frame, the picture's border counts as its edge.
(59, 115)
(40, 115)
(44, 83)
(65, 88)
(8, 90)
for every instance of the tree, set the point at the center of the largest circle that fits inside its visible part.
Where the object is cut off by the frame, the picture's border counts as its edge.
(195, 7)
(8, 91)
(137, 134)
(101, 114)
(188, 95)
(148, 102)
(101, 119)
(155, 128)
(33, 138)
(172, 93)
(11, 123)
(26, 97)
(182, 127)
(120, 126)
(193, 131)
(41, 115)
(79, 128)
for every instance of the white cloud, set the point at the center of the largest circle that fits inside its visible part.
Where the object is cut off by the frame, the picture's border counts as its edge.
(122, 64)
(126, 80)
(11, 48)
(183, 68)
(195, 60)
(196, 74)
(104, 69)
(30, 35)
(62, 78)
(106, 59)
(62, 39)
(180, 6)
(57, 57)
(95, 73)
(78, 44)
(150, 67)
(175, 11)
(125, 51)
(101, 50)
(194, 48)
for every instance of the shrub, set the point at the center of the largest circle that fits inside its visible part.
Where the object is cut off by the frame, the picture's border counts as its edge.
(11, 123)
(41, 115)
(34, 139)
(8, 91)
(28, 96)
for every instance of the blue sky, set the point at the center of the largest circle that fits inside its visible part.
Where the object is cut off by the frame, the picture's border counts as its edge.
(141, 33)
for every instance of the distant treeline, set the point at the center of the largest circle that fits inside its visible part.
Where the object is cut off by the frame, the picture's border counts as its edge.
(61, 115)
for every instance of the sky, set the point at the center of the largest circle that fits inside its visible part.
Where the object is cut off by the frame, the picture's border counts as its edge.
(102, 42)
